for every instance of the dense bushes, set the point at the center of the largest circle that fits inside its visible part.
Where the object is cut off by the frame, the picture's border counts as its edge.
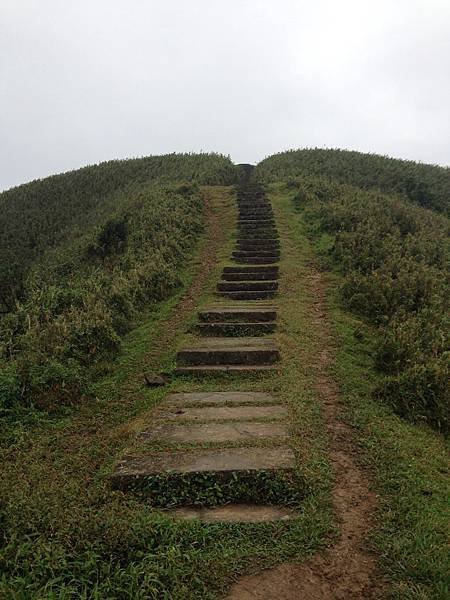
(81, 296)
(425, 185)
(394, 256)
(44, 214)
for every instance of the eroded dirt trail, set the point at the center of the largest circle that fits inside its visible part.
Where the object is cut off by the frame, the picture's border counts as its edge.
(347, 569)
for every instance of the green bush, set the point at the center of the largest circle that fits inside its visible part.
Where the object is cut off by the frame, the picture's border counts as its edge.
(80, 297)
(394, 258)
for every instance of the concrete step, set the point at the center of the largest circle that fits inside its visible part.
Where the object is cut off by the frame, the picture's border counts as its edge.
(240, 286)
(255, 259)
(193, 399)
(238, 315)
(217, 464)
(219, 433)
(227, 329)
(255, 252)
(206, 414)
(252, 269)
(229, 351)
(212, 370)
(258, 235)
(250, 276)
(258, 242)
(249, 295)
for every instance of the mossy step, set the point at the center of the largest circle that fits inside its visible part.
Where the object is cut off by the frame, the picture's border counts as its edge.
(249, 295)
(250, 276)
(261, 251)
(191, 399)
(240, 286)
(257, 260)
(258, 242)
(238, 314)
(220, 461)
(211, 370)
(220, 413)
(229, 351)
(251, 269)
(234, 513)
(247, 432)
(236, 329)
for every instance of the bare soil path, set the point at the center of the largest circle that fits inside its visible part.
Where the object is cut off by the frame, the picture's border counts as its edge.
(347, 569)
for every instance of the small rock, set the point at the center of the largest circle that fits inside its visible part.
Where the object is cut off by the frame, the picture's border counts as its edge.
(153, 381)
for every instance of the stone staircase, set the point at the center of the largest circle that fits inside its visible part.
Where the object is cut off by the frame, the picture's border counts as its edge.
(216, 448)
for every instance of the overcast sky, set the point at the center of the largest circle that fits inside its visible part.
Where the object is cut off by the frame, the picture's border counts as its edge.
(82, 81)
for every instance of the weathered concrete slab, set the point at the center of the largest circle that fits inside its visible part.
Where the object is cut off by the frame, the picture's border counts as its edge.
(238, 314)
(187, 399)
(239, 286)
(211, 370)
(250, 276)
(249, 295)
(223, 461)
(232, 351)
(235, 513)
(252, 269)
(238, 329)
(239, 431)
(220, 413)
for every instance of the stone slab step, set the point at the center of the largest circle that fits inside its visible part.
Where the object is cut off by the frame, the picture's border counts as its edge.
(230, 351)
(217, 433)
(257, 260)
(192, 399)
(256, 252)
(236, 329)
(258, 235)
(220, 413)
(234, 513)
(250, 276)
(211, 370)
(257, 242)
(243, 315)
(256, 223)
(224, 463)
(252, 269)
(241, 286)
(249, 295)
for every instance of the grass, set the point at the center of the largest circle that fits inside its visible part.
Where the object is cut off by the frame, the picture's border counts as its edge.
(408, 463)
(77, 538)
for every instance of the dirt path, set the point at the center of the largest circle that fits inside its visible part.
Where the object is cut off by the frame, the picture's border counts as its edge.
(347, 569)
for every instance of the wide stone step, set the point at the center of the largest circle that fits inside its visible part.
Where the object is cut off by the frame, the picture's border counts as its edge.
(249, 295)
(211, 370)
(259, 235)
(255, 259)
(219, 465)
(229, 351)
(236, 329)
(248, 222)
(252, 269)
(242, 315)
(219, 433)
(251, 212)
(240, 286)
(258, 242)
(250, 276)
(203, 414)
(255, 252)
(194, 399)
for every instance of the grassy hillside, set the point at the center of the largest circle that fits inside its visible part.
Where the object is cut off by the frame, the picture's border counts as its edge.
(80, 255)
(394, 258)
(43, 214)
(426, 185)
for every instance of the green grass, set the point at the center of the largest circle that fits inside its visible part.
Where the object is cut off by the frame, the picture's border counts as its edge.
(408, 463)
(68, 535)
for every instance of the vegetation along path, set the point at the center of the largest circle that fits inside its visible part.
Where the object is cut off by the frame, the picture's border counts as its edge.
(226, 390)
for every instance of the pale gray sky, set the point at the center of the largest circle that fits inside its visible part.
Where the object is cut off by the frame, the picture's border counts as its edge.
(83, 81)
